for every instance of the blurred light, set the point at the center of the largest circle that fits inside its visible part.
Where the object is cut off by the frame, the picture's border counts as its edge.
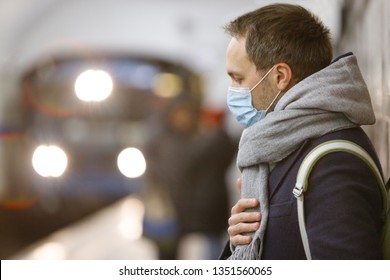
(167, 85)
(131, 163)
(49, 251)
(142, 76)
(93, 86)
(132, 214)
(49, 161)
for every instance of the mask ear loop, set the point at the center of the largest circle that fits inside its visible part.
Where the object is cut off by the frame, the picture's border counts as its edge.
(273, 101)
(262, 79)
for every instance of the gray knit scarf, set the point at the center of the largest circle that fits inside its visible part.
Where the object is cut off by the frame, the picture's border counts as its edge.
(332, 99)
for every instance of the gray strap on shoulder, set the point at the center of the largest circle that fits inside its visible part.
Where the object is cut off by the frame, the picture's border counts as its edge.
(307, 165)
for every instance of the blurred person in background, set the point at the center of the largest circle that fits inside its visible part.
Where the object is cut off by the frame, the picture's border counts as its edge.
(214, 153)
(186, 186)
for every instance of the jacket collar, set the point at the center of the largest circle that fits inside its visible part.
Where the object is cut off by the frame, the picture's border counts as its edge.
(283, 168)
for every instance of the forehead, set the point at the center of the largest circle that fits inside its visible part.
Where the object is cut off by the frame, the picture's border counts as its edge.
(236, 56)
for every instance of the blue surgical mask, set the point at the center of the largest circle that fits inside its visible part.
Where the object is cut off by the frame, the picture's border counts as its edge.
(240, 104)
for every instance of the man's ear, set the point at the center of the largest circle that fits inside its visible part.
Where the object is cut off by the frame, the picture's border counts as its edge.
(283, 76)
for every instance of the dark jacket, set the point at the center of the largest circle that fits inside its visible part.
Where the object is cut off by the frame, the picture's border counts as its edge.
(343, 205)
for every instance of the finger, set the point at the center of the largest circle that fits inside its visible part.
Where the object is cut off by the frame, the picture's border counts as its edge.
(241, 228)
(246, 217)
(240, 240)
(243, 204)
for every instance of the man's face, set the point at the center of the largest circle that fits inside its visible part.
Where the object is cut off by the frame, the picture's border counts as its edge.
(243, 73)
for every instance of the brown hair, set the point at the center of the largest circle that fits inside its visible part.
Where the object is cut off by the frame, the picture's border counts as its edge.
(284, 33)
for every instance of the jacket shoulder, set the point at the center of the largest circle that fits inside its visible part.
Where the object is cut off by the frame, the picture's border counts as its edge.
(355, 135)
(342, 193)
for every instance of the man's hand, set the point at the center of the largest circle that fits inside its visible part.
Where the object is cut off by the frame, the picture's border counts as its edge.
(242, 222)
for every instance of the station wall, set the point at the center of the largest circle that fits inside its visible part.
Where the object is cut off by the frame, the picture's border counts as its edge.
(366, 32)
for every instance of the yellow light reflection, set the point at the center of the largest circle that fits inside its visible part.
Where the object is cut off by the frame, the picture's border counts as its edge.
(167, 85)
(131, 163)
(93, 86)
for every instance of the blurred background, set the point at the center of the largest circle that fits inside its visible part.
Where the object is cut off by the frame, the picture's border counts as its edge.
(115, 142)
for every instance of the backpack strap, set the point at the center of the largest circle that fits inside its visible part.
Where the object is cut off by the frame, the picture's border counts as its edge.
(306, 167)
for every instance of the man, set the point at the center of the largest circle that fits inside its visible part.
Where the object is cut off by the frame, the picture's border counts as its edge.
(292, 97)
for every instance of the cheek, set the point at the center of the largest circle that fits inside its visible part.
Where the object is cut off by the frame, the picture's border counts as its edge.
(234, 84)
(261, 98)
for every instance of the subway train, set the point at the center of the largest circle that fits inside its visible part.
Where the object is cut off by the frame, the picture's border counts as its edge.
(66, 152)
(72, 164)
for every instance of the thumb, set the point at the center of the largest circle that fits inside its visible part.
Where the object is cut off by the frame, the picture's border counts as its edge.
(238, 184)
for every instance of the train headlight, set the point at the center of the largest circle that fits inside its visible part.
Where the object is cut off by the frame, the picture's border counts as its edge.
(49, 161)
(131, 163)
(93, 86)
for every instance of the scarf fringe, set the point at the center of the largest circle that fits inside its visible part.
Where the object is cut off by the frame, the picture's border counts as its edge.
(249, 252)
